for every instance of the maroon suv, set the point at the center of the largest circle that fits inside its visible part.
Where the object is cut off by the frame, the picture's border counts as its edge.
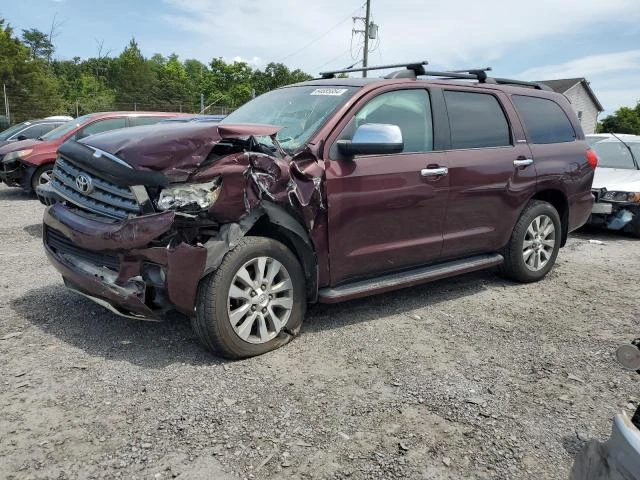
(326, 190)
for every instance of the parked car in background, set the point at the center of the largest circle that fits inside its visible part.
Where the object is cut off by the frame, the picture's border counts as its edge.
(326, 190)
(30, 129)
(616, 184)
(196, 118)
(29, 163)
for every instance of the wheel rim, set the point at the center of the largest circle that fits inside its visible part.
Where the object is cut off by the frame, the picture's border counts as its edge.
(539, 243)
(260, 300)
(45, 177)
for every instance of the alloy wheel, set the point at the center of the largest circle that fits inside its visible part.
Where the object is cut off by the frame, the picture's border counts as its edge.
(539, 243)
(260, 300)
(45, 177)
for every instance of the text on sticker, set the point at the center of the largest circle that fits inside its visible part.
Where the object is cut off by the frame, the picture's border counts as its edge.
(329, 91)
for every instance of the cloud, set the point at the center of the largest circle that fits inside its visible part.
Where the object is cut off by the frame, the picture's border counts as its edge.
(589, 66)
(446, 33)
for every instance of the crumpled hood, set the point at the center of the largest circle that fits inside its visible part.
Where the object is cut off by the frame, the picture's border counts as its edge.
(172, 148)
(617, 179)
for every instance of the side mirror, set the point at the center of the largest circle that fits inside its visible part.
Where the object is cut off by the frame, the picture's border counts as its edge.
(20, 137)
(373, 139)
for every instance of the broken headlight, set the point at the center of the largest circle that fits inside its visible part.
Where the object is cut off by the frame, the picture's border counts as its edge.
(190, 197)
(622, 196)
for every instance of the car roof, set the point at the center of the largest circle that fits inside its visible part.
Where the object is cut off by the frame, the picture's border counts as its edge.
(608, 137)
(373, 82)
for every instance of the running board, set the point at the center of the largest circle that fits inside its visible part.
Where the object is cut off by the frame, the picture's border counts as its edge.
(394, 281)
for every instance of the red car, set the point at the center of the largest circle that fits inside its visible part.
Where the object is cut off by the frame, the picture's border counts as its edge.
(29, 163)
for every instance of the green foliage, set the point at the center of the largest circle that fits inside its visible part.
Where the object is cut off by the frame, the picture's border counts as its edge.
(38, 86)
(38, 43)
(624, 120)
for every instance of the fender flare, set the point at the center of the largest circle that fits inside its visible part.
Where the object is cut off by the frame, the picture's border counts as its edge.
(286, 224)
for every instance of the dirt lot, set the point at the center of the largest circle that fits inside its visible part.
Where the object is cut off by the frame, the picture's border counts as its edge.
(473, 377)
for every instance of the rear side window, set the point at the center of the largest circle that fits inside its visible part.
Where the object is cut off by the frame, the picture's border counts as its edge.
(544, 120)
(476, 120)
(101, 126)
(139, 121)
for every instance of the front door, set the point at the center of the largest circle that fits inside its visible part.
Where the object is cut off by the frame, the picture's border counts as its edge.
(386, 212)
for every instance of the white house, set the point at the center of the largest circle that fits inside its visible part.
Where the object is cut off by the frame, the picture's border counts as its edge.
(582, 98)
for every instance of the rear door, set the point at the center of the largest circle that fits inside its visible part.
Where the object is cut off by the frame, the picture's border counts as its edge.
(491, 172)
(385, 211)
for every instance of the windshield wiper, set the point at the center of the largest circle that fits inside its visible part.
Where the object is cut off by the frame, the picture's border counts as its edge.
(633, 157)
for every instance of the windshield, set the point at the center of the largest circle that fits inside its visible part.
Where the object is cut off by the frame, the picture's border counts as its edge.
(613, 154)
(65, 128)
(300, 111)
(6, 134)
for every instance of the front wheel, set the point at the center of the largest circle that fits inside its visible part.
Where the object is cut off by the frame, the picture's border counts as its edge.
(41, 176)
(253, 303)
(534, 244)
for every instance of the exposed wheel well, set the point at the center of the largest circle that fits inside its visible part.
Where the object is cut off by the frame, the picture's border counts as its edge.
(560, 203)
(301, 249)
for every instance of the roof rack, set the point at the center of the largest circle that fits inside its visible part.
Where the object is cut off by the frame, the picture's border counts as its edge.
(415, 69)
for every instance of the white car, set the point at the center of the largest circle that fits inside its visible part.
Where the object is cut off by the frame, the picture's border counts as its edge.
(616, 183)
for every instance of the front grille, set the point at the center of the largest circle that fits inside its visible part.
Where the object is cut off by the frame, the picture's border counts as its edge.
(102, 197)
(61, 245)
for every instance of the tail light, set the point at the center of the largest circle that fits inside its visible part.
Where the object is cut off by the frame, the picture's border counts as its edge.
(592, 158)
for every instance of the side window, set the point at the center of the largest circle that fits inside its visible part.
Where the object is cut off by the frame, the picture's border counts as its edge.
(139, 121)
(544, 120)
(476, 120)
(27, 133)
(101, 126)
(43, 128)
(408, 109)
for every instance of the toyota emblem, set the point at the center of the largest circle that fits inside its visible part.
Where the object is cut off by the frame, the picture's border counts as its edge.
(84, 184)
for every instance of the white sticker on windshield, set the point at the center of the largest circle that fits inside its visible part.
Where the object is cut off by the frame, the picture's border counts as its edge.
(334, 92)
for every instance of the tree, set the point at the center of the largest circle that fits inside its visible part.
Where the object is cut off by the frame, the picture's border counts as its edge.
(624, 120)
(38, 43)
(134, 76)
(32, 90)
(276, 75)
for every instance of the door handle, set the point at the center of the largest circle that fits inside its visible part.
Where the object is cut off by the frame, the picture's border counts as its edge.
(523, 162)
(434, 172)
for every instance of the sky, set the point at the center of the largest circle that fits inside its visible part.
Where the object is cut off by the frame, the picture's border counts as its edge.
(546, 39)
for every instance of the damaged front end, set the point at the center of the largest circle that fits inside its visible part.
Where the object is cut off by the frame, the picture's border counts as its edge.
(616, 210)
(135, 224)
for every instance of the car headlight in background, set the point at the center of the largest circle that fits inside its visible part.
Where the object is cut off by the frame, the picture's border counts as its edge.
(622, 196)
(17, 155)
(194, 196)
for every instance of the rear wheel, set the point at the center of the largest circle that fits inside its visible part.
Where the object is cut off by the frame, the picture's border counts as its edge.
(534, 244)
(41, 176)
(252, 302)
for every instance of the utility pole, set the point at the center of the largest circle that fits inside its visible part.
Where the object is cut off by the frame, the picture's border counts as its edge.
(365, 55)
(370, 32)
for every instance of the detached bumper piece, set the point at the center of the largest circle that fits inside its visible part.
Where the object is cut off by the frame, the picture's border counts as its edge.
(125, 265)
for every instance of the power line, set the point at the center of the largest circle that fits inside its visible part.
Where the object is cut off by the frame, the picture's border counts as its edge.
(322, 35)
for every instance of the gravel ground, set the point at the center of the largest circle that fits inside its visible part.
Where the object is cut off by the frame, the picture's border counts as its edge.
(472, 377)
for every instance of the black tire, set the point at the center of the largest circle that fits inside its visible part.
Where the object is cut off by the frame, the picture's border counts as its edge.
(633, 227)
(211, 322)
(35, 179)
(514, 265)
